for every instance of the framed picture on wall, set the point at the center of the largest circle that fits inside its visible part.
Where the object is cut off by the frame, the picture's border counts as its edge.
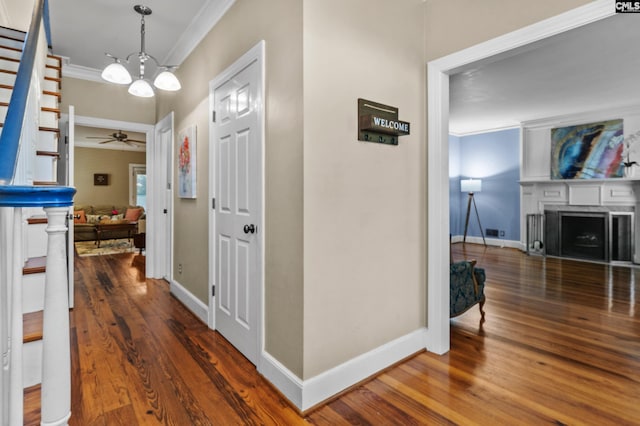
(588, 151)
(187, 163)
(100, 179)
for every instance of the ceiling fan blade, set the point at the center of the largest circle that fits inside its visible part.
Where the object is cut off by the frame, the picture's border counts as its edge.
(128, 143)
(97, 137)
(135, 140)
(109, 140)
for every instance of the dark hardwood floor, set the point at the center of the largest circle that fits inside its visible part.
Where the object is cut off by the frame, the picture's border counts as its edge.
(560, 345)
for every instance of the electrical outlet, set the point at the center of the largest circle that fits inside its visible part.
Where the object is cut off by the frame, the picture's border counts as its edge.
(502, 233)
(491, 232)
(180, 268)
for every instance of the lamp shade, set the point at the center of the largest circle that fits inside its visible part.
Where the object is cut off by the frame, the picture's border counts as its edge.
(116, 73)
(167, 80)
(470, 185)
(141, 88)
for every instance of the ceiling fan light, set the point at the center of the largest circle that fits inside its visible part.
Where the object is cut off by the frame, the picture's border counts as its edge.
(167, 80)
(116, 73)
(141, 88)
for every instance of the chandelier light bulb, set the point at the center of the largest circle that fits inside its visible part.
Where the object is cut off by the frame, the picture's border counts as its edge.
(167, 80)
(116, 73)
(141, 88)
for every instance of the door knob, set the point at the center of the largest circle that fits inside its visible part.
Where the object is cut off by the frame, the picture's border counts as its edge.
(249, 229)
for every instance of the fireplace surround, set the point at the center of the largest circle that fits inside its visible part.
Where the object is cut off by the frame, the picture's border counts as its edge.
(591, 234)
(609, 203)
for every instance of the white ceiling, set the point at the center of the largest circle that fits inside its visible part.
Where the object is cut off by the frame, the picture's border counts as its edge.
(594, 67)
(84, 30)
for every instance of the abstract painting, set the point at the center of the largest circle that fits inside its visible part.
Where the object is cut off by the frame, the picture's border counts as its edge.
(588, 151)
(187, 163)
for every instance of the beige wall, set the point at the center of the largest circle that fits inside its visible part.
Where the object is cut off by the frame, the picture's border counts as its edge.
(115, 163)
(453, 25)
(364, 203)
(104, 100)
(279, 23)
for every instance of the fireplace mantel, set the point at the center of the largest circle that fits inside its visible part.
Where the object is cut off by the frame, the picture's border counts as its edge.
(615, 194)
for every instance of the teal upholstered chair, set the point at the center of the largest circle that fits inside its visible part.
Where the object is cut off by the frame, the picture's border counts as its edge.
(466, 287)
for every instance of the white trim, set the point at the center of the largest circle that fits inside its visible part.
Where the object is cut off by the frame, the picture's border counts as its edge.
(202, 23)
(483, 131)
(494, 242)
(81, 72)
(437, 148)
(311, 392)
(581, 117)
(187, 298)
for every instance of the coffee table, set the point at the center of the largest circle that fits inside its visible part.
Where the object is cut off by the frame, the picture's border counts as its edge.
(101, 228)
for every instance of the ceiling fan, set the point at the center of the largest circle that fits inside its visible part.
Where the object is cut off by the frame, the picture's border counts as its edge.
(118, 136)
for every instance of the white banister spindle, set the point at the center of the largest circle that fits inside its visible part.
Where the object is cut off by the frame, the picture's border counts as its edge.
(6, 272)
(16, 403)
(56, 358)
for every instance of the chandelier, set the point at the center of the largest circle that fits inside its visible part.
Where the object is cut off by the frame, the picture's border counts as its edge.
(117, 73)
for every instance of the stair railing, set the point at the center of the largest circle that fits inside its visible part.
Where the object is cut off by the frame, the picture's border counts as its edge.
(56, 371)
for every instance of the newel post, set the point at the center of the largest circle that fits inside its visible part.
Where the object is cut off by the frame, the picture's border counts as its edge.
(56, 357)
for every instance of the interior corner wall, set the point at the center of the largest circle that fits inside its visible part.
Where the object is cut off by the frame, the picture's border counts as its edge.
(364, 203)
(279, 23)
(107, 101)
(16, 14)
(493, 157)
(112, 162)
(455, 202)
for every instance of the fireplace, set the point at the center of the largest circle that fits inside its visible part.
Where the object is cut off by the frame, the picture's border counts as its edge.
(584, 235)
(590, 235)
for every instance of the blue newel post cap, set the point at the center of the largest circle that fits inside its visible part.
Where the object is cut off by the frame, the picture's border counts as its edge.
(36, 196)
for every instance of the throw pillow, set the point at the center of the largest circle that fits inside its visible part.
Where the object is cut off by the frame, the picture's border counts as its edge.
(93, 218)
(133, 215)
(79, 217)
(117, 217)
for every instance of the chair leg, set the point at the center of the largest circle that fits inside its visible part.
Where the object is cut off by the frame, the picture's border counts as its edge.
(481, 304)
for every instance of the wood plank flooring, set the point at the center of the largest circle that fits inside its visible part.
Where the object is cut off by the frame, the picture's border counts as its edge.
(560, 345)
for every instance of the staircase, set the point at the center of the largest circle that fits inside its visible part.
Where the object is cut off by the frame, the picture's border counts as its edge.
(34, 209)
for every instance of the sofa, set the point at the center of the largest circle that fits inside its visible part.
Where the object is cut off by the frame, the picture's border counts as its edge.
(85, 218)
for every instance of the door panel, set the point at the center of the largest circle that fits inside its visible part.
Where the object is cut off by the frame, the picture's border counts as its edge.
(237, 144)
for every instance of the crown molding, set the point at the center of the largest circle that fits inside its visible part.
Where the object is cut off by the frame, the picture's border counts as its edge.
(199, 27)
(79, 71)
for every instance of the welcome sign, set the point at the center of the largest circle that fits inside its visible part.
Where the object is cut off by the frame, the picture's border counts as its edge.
(379, 123)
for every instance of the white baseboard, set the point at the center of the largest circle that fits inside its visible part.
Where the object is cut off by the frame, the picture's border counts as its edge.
(311, 392)
(495, 242)
(192, 303)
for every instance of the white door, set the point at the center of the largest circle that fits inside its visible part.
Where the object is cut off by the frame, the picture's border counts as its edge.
(164, 192)
(237, 136)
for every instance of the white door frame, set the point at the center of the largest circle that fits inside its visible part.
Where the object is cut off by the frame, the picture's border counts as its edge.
(256, 53)
(147, 129)
(438, 150)
(155, 163)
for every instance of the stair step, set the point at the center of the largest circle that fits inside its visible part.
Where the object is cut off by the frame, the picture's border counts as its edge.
(37, 220)
(14, 49)
(44, 183)
(35, 265)
(49, 129)
(32, 326)
(9, 72)
(47, 109)
(50, 93)
(54, 67)
(6, 58)
(12, 33)
(48, 154)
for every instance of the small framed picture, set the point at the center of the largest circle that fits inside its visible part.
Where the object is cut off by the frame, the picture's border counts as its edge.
(100, 179)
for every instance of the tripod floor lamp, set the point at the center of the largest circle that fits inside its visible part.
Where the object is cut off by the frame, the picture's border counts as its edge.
(471, 186)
